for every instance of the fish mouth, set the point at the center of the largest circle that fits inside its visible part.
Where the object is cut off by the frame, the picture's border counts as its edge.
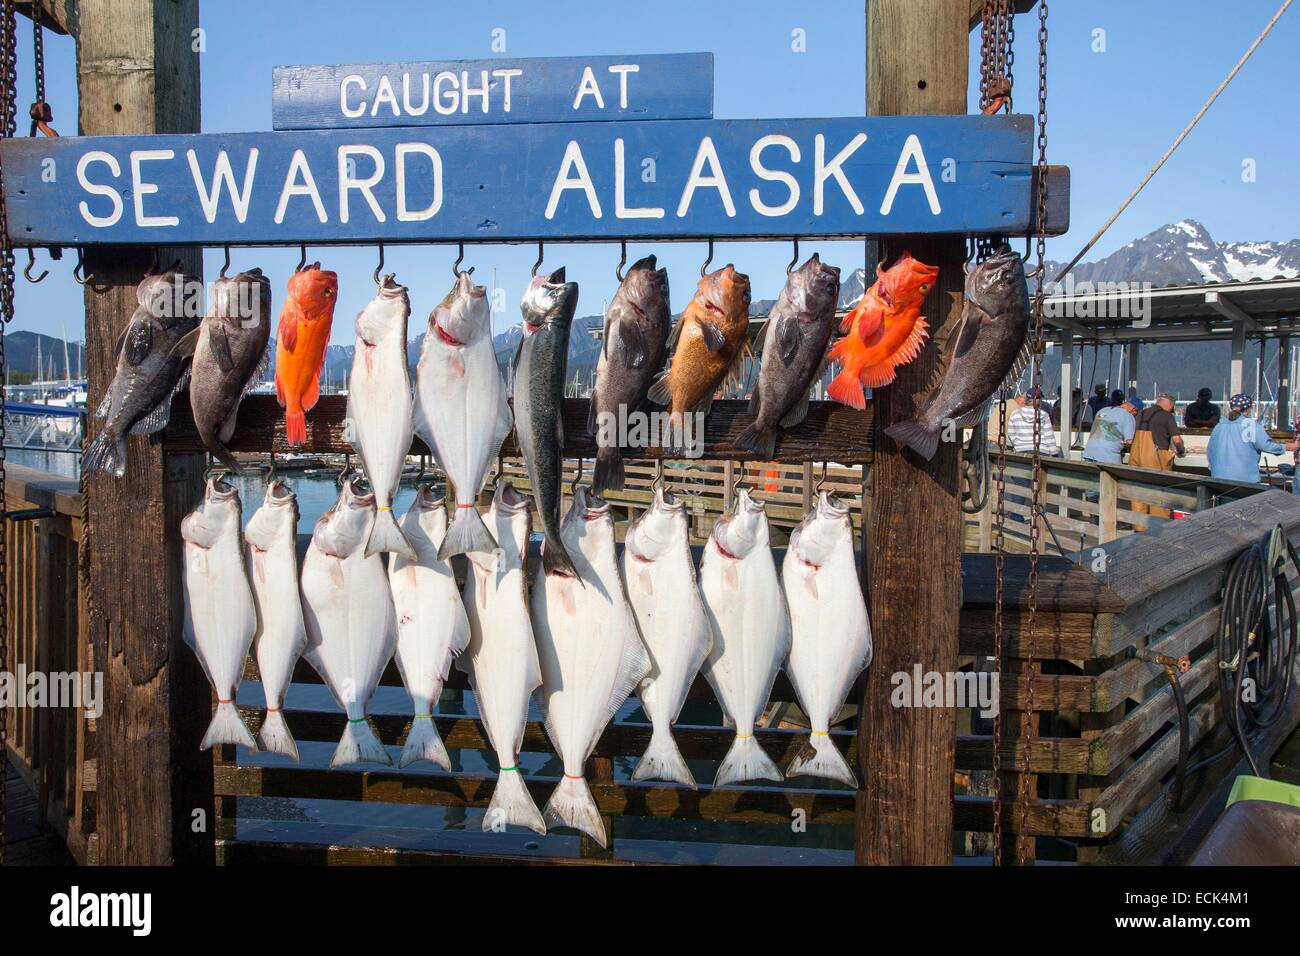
(665, 500)
(444, 337)
(829, 504)
(466, 286)
(509, 498)
(362, 499)
(219, 489)
(591, 506)
(278, 493)
(431, 499)
(389, 288)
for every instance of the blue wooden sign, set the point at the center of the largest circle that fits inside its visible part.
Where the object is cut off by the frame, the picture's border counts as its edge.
(766, 178)
(474, 92)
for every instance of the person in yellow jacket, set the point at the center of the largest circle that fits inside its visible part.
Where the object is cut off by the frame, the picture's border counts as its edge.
(1155, 443)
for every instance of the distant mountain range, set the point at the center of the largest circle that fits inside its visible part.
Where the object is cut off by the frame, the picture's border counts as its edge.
(1177, 254)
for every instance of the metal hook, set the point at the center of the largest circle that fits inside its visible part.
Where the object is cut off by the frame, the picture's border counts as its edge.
(302, 260)
(795, 260)
(657, 482)
(972, 249)
(31, 262)
(270, 470)
(740, 482)
(79, 271)
(455, 266)
(379, 268)
(538, 264)
(618, 270)
(577, 478)
(153, 263)
(345, 470)
(419, 475)
(705, 268)
(501, 468)
(817, 485)
(226, 265)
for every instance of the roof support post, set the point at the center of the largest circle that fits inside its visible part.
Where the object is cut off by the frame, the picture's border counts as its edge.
(1067, 394)
(1235, 369)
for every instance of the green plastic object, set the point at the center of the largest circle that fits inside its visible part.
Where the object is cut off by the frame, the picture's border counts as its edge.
(1257, 788)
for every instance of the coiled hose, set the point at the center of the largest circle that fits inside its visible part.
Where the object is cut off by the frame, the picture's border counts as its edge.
(1256, 647)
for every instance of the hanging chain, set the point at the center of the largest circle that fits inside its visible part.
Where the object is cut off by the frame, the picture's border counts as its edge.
(1025, 842)
(9, 122)
(40, 112)
(997, 31)
(996, 34)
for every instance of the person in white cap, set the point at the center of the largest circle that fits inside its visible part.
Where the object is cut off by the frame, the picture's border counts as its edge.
(1236, 444)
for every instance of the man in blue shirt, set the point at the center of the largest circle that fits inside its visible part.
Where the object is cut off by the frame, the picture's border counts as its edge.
(1112, 430)
(1236, 444)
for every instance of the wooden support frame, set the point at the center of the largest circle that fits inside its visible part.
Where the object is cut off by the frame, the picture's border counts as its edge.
(137, 73)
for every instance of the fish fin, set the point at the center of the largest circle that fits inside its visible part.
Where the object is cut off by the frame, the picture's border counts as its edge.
(755, 402)
(788, 338)
(184, 346)
(467, 533)
(604, 340)
(505, 421)
(106, 453)
(761, 339)
(385, 535)
(156, 420)
(846, 389)
(295, 428)
(511, 803)
(424, 743)
(556, 559)
(633, 666)
(287, 333)
(661, 392)
(758, 440)
(704, 405)
(663, 760)
(220, 345)
(634, 349)
(819, 757)
(746, 760)
(714, 339)
(139, 340)
(311, 396)
(275, 736)
(359, 745)
(870, 316)
(797, 413)
(607, 473)
(674, 334)
(913, 344)
(227, 431)
(877, 376)
(572, 805)
(105, 406)
(222, 454)
(975, 415)
(1018, 366)
(228, 727)
(591, 415)
(920, 438)
(121, 341)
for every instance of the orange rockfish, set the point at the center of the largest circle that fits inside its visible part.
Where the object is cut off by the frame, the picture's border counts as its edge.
(885, 330)
(300, 344)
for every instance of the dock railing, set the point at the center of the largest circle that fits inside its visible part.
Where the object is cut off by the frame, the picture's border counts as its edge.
(51, 735)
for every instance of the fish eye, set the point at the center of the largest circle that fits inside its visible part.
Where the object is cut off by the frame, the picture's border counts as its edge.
(329, 293)
(925, 287)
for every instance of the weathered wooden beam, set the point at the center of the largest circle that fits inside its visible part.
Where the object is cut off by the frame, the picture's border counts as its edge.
(136, 73)
(59, 16)
(917, 52)
(831, 432)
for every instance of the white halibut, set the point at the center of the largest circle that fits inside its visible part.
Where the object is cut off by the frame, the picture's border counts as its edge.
(271, 549)
(219, 615)
(502, 656)
(461, 407)
(431, 623)
(351, 626)
(591, 655)
(751, 631)
(830, 633)
(380, 408)
(662, 589)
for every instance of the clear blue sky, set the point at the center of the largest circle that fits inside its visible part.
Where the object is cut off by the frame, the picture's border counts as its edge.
(1112, 115)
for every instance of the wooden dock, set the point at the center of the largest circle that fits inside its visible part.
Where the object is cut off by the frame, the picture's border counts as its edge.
(27, 841)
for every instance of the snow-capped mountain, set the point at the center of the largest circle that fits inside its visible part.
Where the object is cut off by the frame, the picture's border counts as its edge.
(1184, 253)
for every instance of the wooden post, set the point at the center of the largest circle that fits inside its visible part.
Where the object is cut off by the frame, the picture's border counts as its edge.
(916, 63)
(137, 73)
(1108, 507)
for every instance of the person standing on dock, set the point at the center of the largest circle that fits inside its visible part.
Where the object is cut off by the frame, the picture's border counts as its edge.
(1112, 431)
(1155, 443)
(1020, 427)
(1236, 444)
(1202, 413)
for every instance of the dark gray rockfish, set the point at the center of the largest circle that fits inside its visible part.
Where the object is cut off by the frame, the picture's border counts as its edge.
(631, 355)
(139, 398)
(988, 350)
(793, 348)
(540, 365)
(227, 351)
